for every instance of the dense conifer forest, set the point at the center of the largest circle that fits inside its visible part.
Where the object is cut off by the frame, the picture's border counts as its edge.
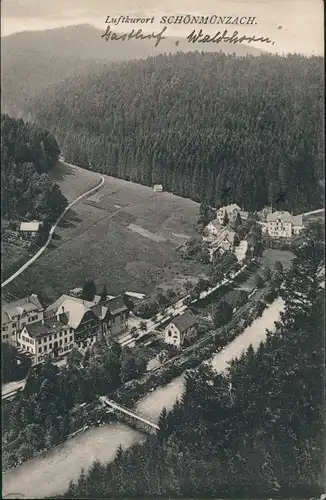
(198, 123)
(256, 431)
(27, 154)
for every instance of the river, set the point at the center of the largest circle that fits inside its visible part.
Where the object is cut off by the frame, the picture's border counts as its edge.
(51, 473)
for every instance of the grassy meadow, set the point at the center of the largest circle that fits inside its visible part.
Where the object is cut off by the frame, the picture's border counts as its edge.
(124, 235)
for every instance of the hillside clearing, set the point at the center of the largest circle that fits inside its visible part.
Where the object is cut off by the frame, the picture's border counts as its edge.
(74, 181)
(125, 236)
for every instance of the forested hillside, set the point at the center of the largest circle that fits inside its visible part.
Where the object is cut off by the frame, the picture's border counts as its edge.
(256, 431)
(27, 154)
(36, 60)
(197, 123)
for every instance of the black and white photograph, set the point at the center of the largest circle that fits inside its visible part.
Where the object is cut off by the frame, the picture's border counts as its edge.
(163, 249)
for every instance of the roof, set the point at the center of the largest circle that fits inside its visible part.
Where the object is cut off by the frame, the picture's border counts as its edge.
(229, 208)
(185, 321)
(297, 220)
(136, 295)
(76, 309)
(216, 223)
(99, 311)
(16, 308)
(30, 226)
(42, 328)
(116, 305)
(226, 234)
(285, 216)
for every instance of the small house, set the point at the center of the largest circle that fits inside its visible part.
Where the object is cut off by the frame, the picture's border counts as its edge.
(30, 229)
(16, 315)
(181, 329)
(224, 241)
(158, 188)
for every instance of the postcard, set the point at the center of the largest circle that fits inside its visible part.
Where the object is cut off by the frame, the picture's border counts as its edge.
(162, 244)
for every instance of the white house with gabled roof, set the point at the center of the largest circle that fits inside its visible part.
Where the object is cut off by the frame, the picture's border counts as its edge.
(16, 315)
(281, 224)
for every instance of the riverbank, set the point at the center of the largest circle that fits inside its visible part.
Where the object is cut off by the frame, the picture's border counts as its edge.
(38, 477)
(194, 355)
(191, 357)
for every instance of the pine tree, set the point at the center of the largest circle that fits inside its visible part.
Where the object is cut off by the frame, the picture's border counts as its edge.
(226, 219)
(302, 290)
(163, 425)
(89, 290)
(104, 293)
(238, 220)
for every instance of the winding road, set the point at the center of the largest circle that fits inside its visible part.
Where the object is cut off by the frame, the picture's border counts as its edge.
(53, 228)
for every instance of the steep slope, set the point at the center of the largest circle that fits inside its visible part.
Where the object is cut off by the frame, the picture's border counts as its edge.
(34, 60)
(199, 123)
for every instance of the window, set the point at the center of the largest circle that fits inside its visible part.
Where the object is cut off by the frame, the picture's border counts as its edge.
(71, 346)
(70, 338)
(169, 333)
(13, 325)
(66, 340)
(55, 336)
(39, 341)
(40, 349)
(40, 358)
(71, 330)
(60, 342)
(35, 317)
(60, 334)
(5, 328)
(50, 346)
(45, 348)
(23, 325)
(50, 337)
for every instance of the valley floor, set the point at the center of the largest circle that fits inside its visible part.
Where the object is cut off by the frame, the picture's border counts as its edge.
(124, 235)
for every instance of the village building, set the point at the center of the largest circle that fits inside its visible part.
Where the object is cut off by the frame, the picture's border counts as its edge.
(118, 314)
(283, 224)
(224, 240)
(92, 320)
(181, 330)
(219, 238)
(30, 229)
(16, 315)
(231, 211)
(212, 230)
(46, 339)
(158, 188)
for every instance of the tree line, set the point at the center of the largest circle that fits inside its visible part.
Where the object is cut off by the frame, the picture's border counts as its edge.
(28, 153)
(46, 411)
(201, 124)
(255, 430)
